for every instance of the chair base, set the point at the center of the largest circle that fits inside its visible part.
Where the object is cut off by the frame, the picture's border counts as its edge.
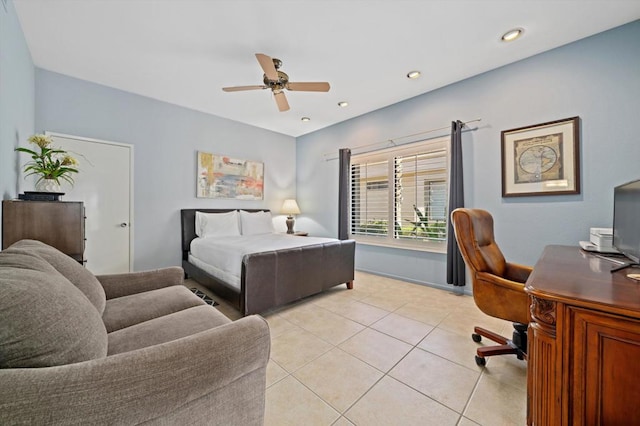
(517, 346)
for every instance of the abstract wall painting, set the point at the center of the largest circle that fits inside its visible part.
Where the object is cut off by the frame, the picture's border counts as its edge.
(219, 176)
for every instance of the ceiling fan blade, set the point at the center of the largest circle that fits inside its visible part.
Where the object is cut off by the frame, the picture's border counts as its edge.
(281, 100)
(239, 88)
(309, 87)
(267, 66)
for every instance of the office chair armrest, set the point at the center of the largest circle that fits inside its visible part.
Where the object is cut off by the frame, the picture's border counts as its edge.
(516, 272)
(501, 298)
(495, 280)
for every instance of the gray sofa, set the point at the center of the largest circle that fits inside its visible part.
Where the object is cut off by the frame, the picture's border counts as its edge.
(120, 349)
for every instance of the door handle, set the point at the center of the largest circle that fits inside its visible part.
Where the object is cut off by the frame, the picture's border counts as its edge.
(123, 225)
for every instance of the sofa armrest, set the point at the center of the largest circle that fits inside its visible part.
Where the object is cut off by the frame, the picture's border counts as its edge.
(118, 285)
(218, 375)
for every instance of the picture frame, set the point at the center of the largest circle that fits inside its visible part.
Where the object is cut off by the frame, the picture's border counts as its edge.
(221, 176)
(543, 159)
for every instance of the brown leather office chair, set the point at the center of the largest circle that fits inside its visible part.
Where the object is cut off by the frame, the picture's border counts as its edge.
(498, 286)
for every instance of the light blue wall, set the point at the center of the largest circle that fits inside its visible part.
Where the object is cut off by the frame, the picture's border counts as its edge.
(597, 78)
(166, 139)
(16, 98)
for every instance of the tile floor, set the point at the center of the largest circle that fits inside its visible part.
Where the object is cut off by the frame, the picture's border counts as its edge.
(387, 352)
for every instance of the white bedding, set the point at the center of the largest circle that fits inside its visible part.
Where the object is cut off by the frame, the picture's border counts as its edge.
(222, 256)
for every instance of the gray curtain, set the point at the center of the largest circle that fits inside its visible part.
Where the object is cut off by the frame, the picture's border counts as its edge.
(344, 157)
(455, 263)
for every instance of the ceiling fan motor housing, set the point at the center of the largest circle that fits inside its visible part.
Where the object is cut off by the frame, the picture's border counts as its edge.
(278, 84)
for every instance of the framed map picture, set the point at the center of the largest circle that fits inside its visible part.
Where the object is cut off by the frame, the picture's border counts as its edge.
(219, 176)
(543, 159)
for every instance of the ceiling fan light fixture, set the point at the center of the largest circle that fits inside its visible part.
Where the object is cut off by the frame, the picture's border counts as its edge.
(414, 74)
(305, 119)
(343, 104)
(512, 35)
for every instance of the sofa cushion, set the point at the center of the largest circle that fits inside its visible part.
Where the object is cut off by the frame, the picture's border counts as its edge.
(129, 310)
(44, 319)
(80, 276)
(165, 329)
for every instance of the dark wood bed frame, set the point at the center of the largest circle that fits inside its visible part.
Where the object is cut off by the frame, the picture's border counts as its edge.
(274, 278)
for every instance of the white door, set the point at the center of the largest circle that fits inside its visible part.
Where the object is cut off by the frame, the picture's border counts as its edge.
(104, 183)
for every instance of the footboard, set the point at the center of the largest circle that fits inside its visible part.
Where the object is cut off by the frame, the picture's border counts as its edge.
(274, 278)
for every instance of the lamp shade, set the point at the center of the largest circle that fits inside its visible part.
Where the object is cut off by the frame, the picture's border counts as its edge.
(290, 207)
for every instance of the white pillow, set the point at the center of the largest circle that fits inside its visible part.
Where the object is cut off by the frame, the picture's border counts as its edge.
(256, 223)
(217, 224)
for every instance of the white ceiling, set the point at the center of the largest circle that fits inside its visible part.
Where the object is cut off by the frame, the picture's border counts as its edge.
(185, 51)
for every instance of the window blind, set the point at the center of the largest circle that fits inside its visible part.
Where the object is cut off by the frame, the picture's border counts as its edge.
(399, 194)
(370, 198)
(420, 204)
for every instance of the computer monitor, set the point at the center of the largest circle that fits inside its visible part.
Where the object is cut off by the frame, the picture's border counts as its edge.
(626, 220)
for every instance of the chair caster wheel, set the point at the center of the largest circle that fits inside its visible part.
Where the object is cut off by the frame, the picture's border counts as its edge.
(476, 337)
(481, 362)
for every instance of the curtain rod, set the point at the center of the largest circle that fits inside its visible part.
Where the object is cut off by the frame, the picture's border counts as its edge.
(392, 141)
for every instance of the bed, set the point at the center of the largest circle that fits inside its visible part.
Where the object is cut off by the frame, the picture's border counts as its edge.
(271, 278)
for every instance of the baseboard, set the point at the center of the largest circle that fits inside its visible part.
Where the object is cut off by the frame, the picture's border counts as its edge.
(449, 288)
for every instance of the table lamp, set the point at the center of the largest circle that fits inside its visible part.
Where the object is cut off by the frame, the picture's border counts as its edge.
(290, 207)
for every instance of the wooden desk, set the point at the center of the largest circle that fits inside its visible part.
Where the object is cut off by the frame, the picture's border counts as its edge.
(584, 341)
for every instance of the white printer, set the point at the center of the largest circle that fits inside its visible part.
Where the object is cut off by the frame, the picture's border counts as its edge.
(600, 241)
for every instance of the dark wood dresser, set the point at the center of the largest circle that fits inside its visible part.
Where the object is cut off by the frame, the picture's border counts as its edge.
(57, 223)
(584, 341)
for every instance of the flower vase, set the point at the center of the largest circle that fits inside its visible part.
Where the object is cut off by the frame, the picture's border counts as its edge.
(47, 185)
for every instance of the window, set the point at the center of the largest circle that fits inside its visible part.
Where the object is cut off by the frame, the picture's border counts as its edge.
(378, 184)
(370, 198)
(399, 196)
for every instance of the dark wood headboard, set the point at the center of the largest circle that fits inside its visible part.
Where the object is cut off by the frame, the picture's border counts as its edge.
(188, 224)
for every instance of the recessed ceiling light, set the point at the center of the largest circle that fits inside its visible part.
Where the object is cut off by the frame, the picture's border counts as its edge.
(512, 34)
(343, 104)
(414, 74)
(305, 119)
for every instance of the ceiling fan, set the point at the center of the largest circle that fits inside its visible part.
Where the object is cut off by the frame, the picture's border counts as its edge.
(277, 81)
